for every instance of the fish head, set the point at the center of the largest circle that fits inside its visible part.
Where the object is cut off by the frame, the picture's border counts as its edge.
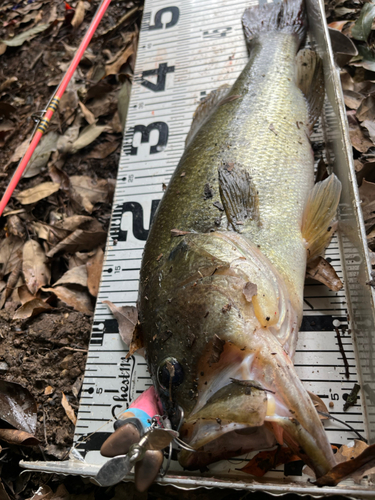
(221, 355)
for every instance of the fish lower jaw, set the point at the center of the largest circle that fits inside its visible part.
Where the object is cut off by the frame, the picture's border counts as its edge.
(233, 422)
(219, 441)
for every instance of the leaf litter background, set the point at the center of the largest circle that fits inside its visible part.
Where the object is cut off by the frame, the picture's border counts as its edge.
(54, 229)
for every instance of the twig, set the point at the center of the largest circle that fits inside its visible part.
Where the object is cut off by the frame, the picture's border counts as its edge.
(74, 349)
(44, 427)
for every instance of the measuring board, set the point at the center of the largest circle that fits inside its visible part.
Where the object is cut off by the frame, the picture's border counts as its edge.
(188, 48)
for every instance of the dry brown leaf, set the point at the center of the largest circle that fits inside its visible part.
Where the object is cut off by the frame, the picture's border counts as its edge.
(79, 14)
(121, 58)
(86, 137)
(103, 150)
(338, 25)
(15, 226)
(264, 461)
(59, 177)
(75, 222)
(358, 464)
(25, 35)
(77, 386)
(49, 390)
(90, 118)
(19, 152)
(359, 141)
(89, 191)
(68, 409)
(366, 110)
(136, 345)
(94, 271)
(350, 450)
(3, 48)
(75, 276)
(22, 438)
(78, 299)
(32, 308)
(14, 301)
(10, 253)
(127, 318)
(65, 142)
(79, 240)
(37, 193)
(52, 234)
(25, 295)
(11, 284)
(353, 99)
(104, 104)
(319, 405)
(34, 266)
(79, 259)
(367, 196)
(370, 127)
(321, 270)
(41, 154)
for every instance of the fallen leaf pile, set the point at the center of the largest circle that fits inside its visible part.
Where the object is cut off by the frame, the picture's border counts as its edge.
(356, 21)
(55, 226)
(53, 231)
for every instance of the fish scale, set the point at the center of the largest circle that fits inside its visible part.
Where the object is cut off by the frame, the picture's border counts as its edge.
(201, 62)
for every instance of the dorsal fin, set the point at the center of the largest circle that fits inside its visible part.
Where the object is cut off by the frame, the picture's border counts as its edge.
(310, 80)
(205, 109)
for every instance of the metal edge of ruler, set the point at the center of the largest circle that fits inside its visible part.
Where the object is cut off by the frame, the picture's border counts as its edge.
(353, 243)
(79, 466)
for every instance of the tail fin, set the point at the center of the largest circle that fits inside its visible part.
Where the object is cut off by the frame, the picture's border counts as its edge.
(287, 16)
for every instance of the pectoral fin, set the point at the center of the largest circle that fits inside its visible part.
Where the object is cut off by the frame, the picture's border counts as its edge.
(238, 195)
(317, 218)
(310, 80)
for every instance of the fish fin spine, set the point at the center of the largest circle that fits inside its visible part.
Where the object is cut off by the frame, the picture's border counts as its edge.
(205, 109)
(320, 210)
(288, 16)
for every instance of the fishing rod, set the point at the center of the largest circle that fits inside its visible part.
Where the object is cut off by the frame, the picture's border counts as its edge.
(53, 105)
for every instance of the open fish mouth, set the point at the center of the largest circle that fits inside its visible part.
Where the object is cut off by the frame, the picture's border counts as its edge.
(245, 407)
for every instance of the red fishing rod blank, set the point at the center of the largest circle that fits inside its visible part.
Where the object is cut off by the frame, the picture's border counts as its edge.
(53, 105)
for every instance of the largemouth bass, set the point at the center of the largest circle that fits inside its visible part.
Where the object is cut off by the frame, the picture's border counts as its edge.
(221, 288)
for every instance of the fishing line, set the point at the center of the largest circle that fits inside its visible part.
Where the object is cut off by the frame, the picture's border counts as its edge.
(328, 415)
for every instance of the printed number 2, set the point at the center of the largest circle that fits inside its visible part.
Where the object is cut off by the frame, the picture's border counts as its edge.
(175, 11)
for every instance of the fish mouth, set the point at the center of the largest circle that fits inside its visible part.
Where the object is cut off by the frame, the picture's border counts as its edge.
(253, 405)
(230, 424)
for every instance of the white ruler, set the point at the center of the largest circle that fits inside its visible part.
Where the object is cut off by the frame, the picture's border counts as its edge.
(188, 48)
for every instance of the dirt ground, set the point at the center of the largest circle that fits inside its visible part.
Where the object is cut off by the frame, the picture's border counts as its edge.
(46, 306)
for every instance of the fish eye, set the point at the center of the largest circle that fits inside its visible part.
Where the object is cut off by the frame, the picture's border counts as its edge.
(168, 368)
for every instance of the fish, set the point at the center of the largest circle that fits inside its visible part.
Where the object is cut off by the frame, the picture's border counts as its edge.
(222, 275)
